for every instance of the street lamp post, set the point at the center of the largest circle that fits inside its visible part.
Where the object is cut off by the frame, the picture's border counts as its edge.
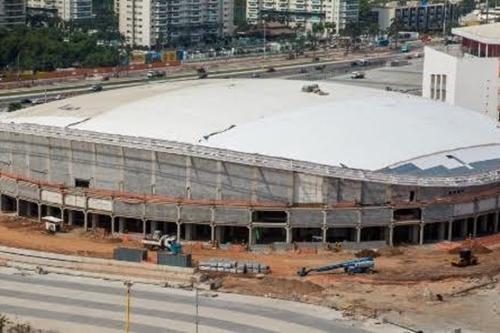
(128, 285)
(196, 319)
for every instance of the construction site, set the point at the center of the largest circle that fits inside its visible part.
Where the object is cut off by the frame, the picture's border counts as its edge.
(287, 174)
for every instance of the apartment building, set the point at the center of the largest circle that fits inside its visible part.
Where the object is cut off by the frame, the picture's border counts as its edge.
(67, 10)
(151, 22)
(12, 13)
(417, 16)
(466, 74)
(303, 12)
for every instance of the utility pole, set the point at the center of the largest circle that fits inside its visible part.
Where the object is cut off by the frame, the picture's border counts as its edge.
(196, 318)
(128, 286)
(444, 21)
(264, 23)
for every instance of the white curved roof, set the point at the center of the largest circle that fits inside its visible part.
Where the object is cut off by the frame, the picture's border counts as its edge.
(354, 127)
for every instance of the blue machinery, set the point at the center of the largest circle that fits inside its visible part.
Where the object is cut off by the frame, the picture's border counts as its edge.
(361, 265)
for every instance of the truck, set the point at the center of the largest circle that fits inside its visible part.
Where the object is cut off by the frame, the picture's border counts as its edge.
(355, 266)
(158, 241)
(405, 48)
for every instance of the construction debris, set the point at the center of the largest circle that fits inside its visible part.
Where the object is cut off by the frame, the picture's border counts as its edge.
(314, 88)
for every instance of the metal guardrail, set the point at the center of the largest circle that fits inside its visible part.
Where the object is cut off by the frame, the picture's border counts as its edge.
(258, 160)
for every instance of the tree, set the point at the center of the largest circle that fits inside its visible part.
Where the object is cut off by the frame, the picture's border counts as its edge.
(353, 31)
(394, 29)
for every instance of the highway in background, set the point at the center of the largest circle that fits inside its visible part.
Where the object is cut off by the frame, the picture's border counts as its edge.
(308, 71)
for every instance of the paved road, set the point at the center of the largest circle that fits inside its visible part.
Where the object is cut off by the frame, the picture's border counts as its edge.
(294, 71)
(74, 304)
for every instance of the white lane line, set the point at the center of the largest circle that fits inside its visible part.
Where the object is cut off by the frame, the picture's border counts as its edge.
(67, 311)
(229, 316)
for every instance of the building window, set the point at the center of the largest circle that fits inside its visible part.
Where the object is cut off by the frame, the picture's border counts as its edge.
(269, 216)
(433, 85)
(443, 87)
(438, 87)
(84, 183)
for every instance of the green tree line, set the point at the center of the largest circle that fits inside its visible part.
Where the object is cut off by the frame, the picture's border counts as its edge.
(45, 49)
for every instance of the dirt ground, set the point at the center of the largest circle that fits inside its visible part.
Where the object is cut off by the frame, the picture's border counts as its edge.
(412, 285)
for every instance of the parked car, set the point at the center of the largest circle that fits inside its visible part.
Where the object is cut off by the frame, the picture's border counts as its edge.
(96, 88)
(357, 75)
(156, 74)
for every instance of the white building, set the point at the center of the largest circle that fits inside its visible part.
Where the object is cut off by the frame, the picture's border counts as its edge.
(416, 16)
(466, 75)
(303, 12)
(67, 10)
(149, 22)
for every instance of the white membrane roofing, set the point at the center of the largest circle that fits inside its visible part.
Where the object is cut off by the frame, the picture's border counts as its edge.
(351, 126)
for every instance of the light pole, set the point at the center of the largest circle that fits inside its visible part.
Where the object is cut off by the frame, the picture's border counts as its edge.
(196, 318)
(128, 285)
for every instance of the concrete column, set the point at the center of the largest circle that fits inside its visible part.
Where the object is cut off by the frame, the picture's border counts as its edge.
(113, 220)
(189, 232)
(250, 236)
(497, 221)
(212, 234)
(144, 227)
(421, 237)
(474, 227)
(391, 235)
(178, 231)
(17, 207)
(85, 221)
(95, 221)
(121, 225)
(1, 203)
(323, 235)
(358, 234)
(288, 233)
(450, 230)
(39, 213)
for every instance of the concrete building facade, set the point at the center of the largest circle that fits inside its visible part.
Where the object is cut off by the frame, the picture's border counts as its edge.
(98, 183)
(415, 16)
(67, 10)
(466, 75)
(151, 22)
(303, 12)
(12, 13)
(129, 178)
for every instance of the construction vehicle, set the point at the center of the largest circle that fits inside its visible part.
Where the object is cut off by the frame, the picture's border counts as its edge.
(355, 266)
(52, 224)
(158, 241)
(465, 258)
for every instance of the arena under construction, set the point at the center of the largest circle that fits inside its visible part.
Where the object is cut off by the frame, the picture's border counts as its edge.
(255, 161)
